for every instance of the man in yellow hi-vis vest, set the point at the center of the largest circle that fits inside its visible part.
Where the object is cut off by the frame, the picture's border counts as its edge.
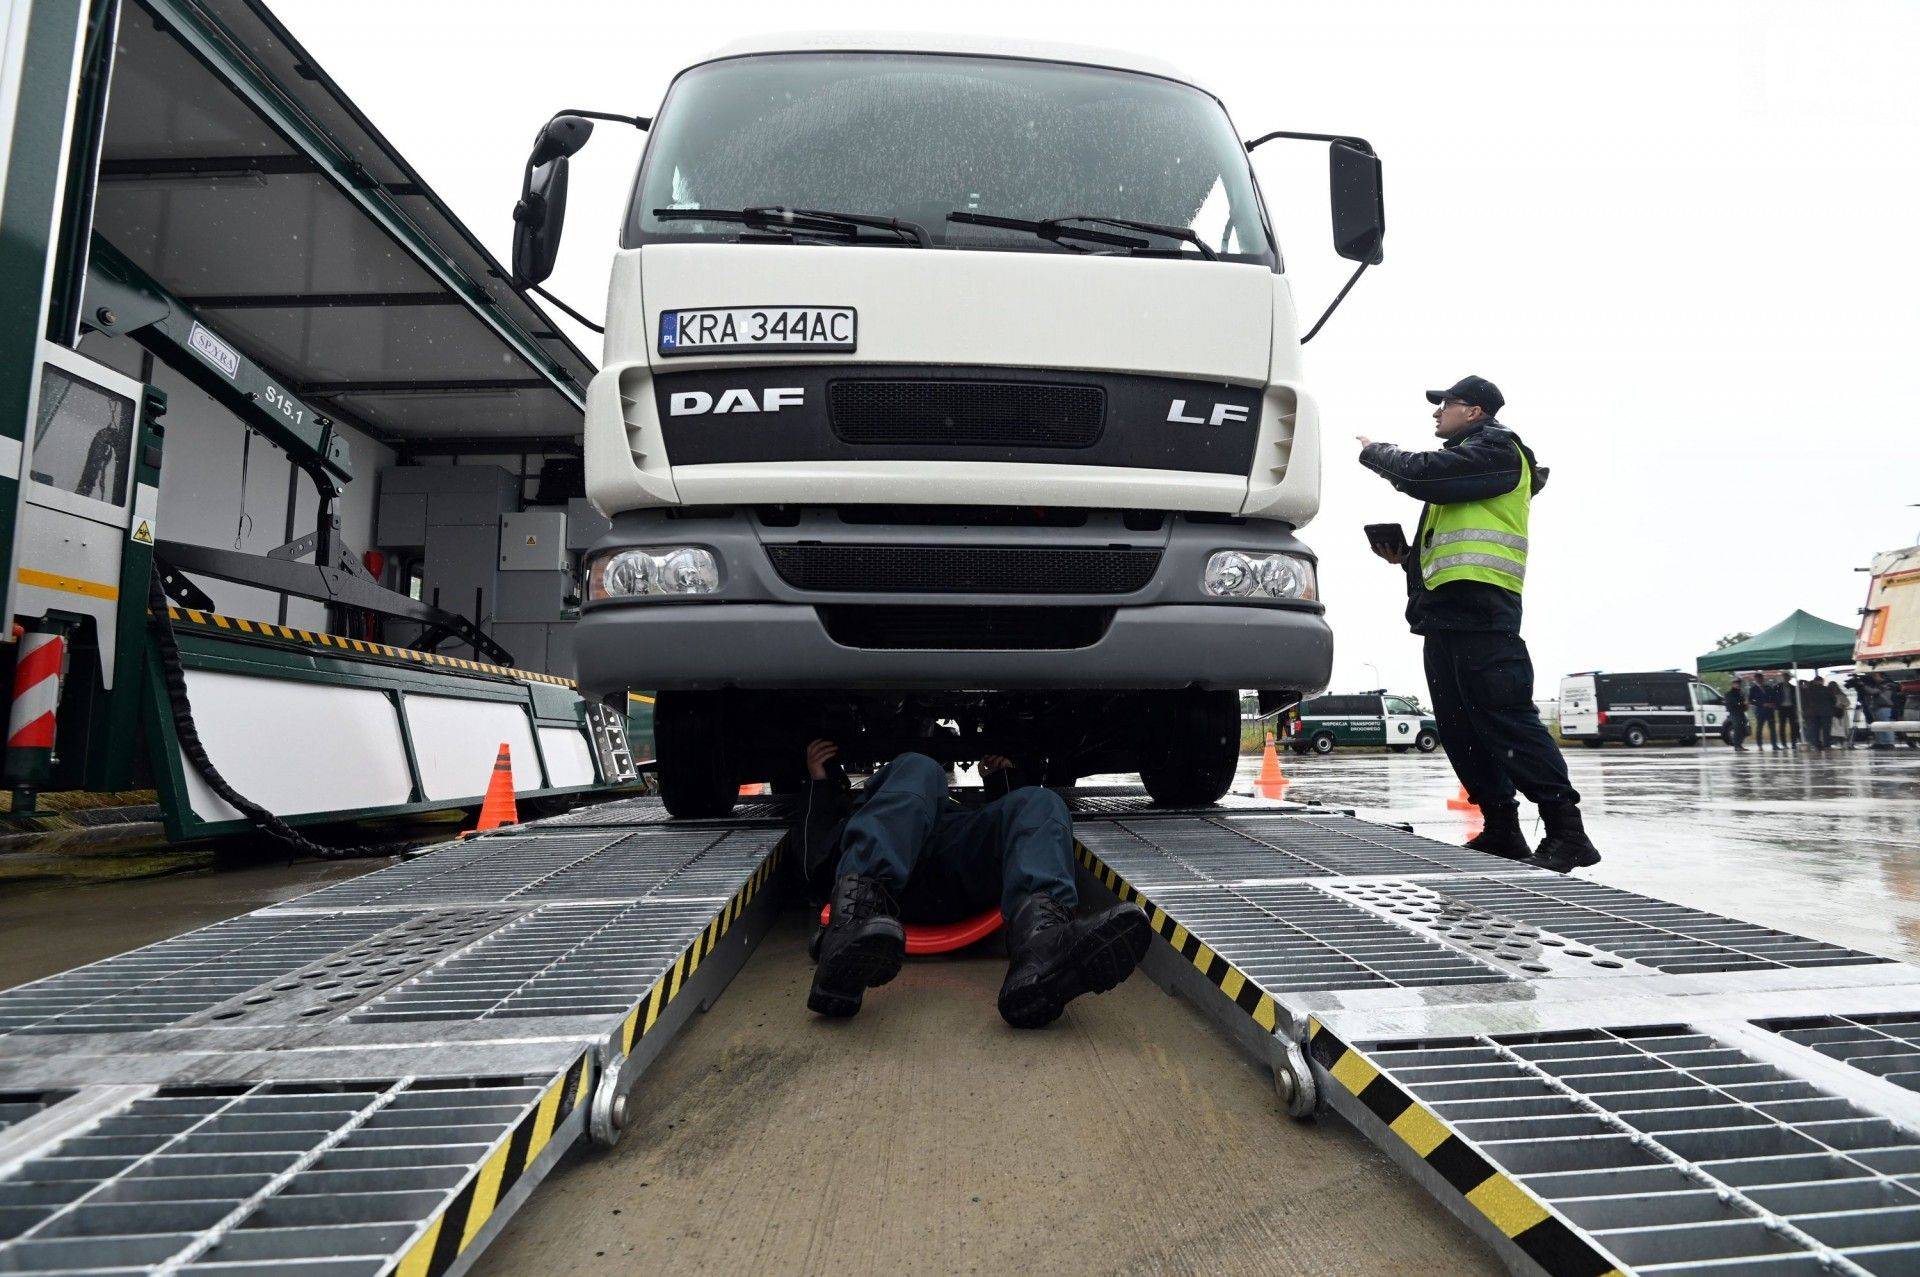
(1465, 570)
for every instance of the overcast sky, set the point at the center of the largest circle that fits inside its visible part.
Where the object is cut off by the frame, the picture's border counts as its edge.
(1680, 236)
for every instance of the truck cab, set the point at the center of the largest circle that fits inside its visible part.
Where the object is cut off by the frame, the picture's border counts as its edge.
(952, 400)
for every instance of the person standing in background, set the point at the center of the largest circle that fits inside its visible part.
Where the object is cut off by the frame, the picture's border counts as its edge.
(1885, 697)
(1787, 711)
(1761, 697)
(1736, 699)
(1816, 711)
(1839, 711)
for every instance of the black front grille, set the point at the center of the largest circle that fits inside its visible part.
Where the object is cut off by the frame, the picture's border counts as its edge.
(963, 569)
(966, 414)
(966, 629)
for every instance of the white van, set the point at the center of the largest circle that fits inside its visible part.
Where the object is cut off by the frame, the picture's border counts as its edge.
(1636, 708)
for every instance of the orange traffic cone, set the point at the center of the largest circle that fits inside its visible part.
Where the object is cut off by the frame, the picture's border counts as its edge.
(497, 808)
(1460, 801)
(1271, 780)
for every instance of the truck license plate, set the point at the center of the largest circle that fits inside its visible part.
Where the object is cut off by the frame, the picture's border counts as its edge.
(724, 330)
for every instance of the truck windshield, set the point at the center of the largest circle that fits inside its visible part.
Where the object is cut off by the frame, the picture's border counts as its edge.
(918, 136)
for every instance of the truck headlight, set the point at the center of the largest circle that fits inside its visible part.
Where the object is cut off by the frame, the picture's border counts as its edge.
(663, 570)
(1246, 574)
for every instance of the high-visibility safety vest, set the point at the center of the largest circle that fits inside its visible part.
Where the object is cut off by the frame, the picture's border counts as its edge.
(1482, 540)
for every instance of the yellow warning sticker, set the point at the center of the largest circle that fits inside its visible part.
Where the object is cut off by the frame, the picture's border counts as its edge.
(143, 532)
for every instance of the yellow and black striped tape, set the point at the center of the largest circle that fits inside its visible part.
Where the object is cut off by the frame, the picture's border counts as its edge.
(314, 638)
(1517, 1213)
(454, 1229)
(1231, 980)
(641, 1019)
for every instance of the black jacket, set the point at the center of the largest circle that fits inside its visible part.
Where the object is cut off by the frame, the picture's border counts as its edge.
(1736, 698)
(1484, 462)
(821, 815)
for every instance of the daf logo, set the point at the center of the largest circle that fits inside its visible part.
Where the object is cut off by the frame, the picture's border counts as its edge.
(695, 403)
(1219, 415)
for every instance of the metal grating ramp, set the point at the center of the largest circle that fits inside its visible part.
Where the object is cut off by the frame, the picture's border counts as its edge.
(367, 1079)
(1594, 1080)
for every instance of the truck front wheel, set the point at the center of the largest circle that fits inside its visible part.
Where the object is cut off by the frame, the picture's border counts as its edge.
(696, 764)
(1195, 751)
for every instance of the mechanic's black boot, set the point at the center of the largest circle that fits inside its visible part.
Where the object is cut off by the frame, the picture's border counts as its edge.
(1054, 957)
(1501, 836)
(1566, 846)
(860, 948)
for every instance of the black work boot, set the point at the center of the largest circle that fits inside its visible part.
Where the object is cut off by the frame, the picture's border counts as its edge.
(1501, 835)
(860, 948)
(1054, 957)
(1566, 846)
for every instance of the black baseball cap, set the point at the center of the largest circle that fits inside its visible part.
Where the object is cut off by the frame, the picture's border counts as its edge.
(1477, 391)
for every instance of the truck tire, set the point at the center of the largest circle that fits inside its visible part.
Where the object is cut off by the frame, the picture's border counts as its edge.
(1633, 735)
(697, 779)
(1194, 766)
(1426, 742)
(1322, 743)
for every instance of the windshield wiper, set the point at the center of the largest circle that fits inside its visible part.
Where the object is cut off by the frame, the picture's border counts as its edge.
(802, 221)
(1059, 229)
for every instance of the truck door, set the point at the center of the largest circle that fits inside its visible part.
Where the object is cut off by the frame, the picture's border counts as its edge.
(1402, 723)
(83, 504)
(1709, 710)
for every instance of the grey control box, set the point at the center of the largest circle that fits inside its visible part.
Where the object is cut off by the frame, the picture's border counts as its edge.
(533, 541)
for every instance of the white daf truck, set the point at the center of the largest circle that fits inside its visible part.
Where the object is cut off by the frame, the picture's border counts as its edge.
(952, 400)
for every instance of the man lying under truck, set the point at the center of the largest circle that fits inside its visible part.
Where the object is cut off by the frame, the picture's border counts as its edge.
(900, 848)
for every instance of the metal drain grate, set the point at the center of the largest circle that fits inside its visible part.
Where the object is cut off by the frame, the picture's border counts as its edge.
(326, 988)
(1187, 850)
(1667, 937)
(166, 983)
(536, 868)
(242, 1181)
(561, 960)
(1665, 1146)
(1886, 1046)
(1289, 938)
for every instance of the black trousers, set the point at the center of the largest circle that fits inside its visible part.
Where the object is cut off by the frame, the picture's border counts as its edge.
(1482, 689)
(1789, 726)
(1763, 727)
(1737, 727)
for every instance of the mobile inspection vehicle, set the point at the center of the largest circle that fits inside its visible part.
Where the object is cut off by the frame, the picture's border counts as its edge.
(952, 397)
(1634, 709)
(1320, 723)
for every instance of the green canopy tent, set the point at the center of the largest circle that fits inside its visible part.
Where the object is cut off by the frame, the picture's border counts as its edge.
(1802, 641)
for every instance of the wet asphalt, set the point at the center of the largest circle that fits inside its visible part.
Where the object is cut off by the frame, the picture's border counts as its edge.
(1823, 844)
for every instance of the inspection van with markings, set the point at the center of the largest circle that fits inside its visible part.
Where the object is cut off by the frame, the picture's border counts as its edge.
(952, 400)
(1636, 708)
(1323, 723)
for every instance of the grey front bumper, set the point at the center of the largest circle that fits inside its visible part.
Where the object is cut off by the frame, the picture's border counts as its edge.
(708, 645)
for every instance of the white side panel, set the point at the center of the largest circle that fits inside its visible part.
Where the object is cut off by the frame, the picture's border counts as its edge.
(455, 742)
(569, 756)
(295, 747)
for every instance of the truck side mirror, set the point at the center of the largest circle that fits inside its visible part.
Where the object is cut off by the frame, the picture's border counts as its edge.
(542, 211)
(1359, 207)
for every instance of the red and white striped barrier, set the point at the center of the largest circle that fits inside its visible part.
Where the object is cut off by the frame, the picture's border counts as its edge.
(28, 764)
(36, 690)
